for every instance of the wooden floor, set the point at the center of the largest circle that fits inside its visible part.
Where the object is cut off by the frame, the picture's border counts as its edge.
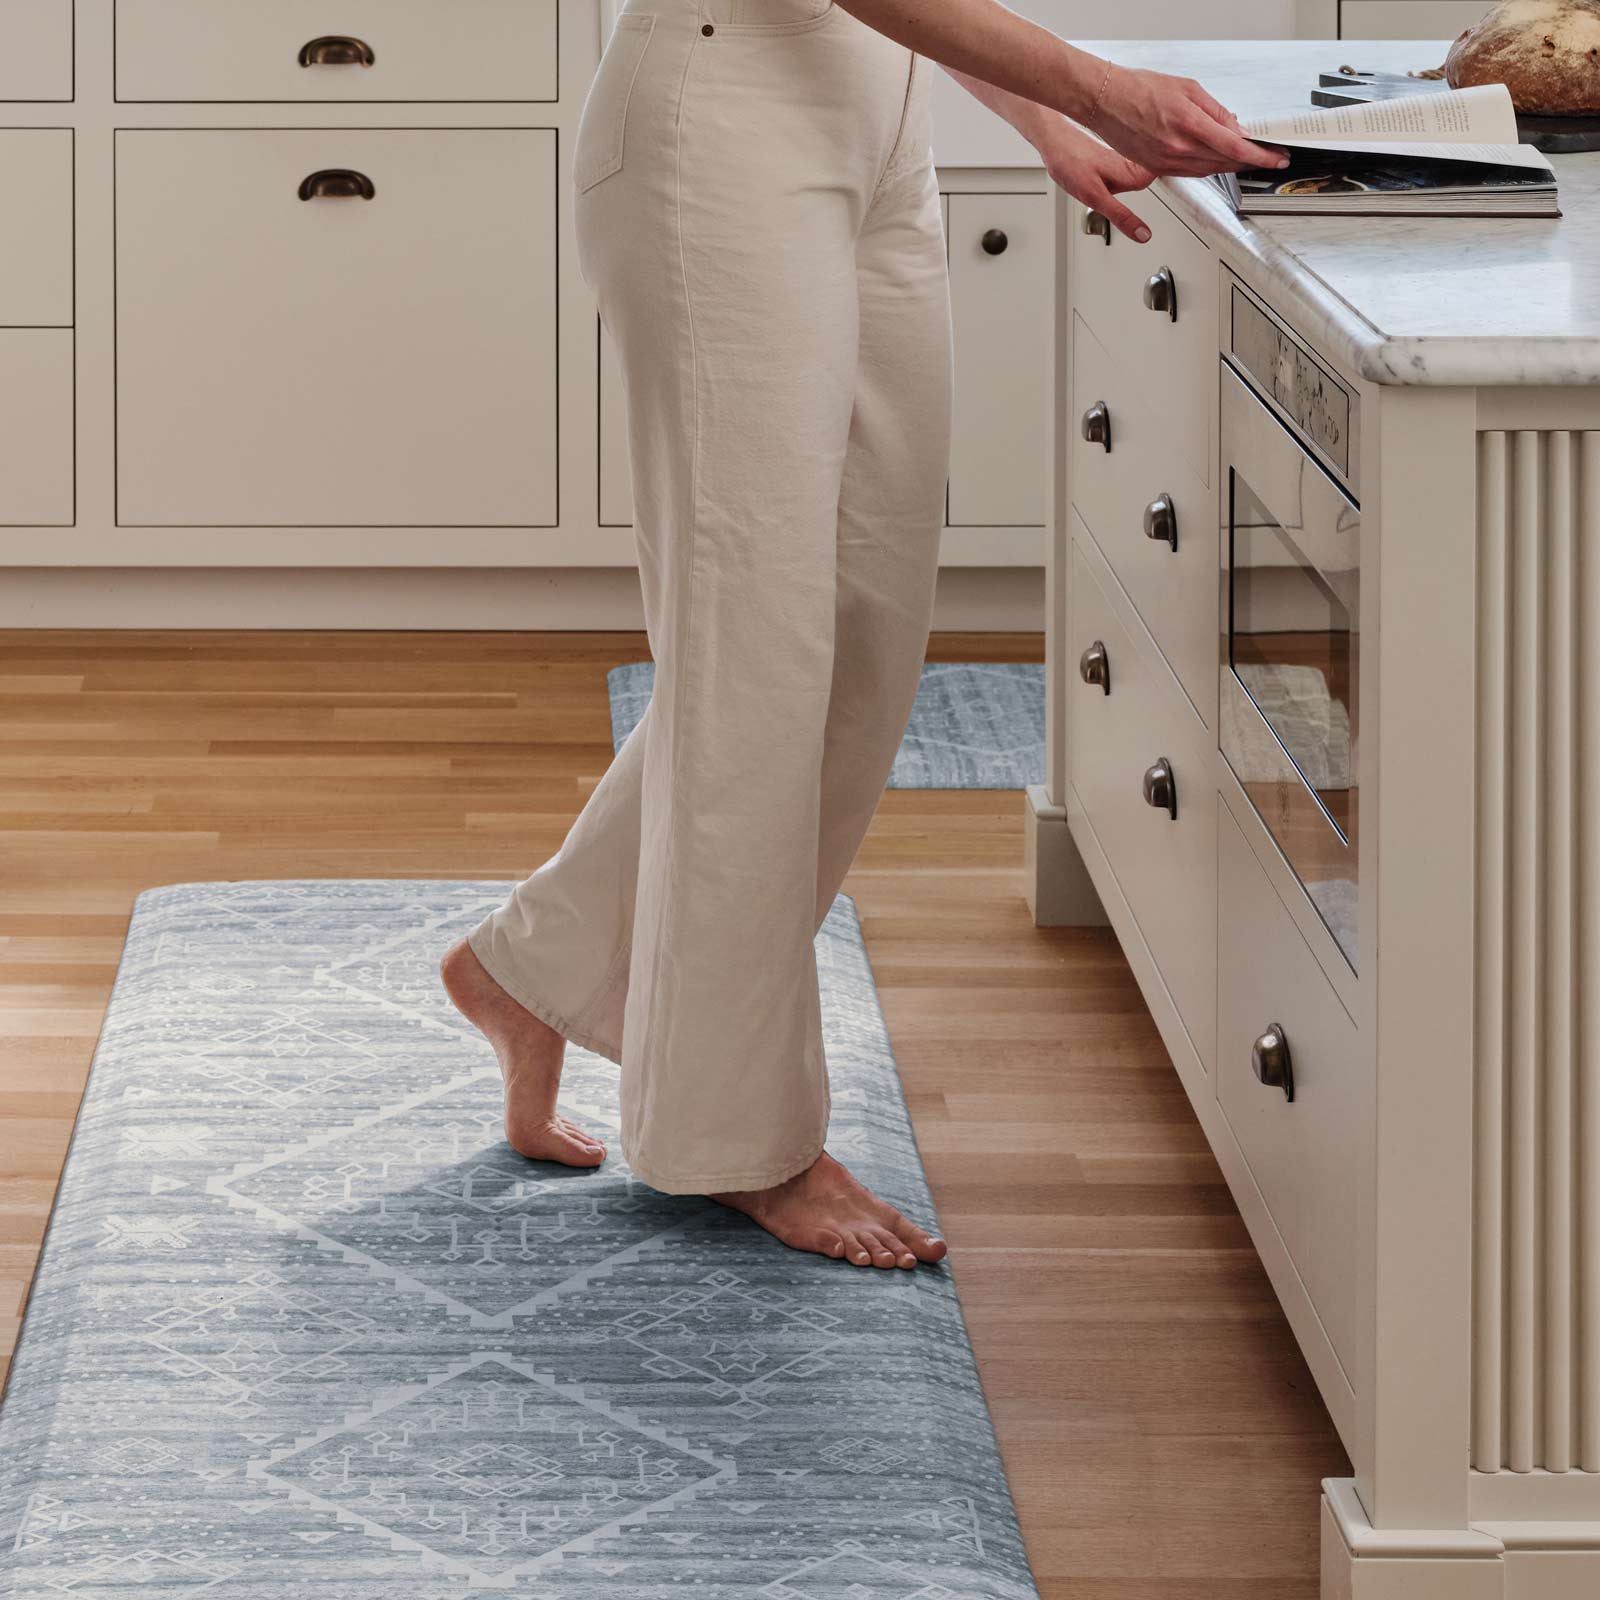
(1162, 1436)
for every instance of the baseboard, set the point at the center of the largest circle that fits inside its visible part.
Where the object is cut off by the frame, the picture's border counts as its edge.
(1489, 1561)
(1059, 890)
(969, 599)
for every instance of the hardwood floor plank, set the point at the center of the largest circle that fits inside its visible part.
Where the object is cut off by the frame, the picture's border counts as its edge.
(1160, 1430)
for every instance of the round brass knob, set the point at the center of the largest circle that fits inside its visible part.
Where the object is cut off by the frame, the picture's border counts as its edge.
(1161, 292)
(1097, 424)
(1097, 225)
(1271, 1062)
(1094, 666)
(1161, 787)
(1161, 520)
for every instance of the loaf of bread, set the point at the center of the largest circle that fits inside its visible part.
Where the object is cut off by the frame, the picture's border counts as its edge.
(1546, 52)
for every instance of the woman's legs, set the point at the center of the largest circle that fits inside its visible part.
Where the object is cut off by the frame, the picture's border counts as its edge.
(788, 371)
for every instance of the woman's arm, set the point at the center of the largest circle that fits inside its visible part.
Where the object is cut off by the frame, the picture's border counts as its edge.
(1167, 124)
(1084, 167)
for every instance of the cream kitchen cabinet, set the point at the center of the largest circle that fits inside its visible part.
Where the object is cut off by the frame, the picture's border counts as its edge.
(36, 332)
(1375, 973)
(356, 328)
(36, 50)
(1408, 19)
(36, 404)
(381, 50)
(1000, 272)
(410, 393)
(36, 287)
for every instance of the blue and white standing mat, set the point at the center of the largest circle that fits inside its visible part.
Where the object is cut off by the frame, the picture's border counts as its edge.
(306, 1328)
(975, 725)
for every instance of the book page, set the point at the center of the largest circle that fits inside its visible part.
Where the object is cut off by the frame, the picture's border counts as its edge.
(1494, 155)
(1481, 115)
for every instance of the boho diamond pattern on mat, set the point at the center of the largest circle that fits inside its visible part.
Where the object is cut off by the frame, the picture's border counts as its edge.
(429, 1191)
(494, 1468)
(304, 1325)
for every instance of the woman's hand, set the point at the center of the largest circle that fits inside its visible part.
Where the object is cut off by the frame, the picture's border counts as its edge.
(1172, 127)
(1092, 173)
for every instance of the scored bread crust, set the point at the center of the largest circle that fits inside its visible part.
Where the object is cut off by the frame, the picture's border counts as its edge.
(1546, 52)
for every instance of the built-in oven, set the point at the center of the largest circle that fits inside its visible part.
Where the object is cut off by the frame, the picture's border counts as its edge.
(1291, 602)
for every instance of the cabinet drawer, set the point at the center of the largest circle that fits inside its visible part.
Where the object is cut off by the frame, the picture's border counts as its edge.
(419, 50)
(1408, 19)
(36, 424)
(1118, 493)
(1171, 364)
(36, 50)
(1166, 866)
(336, 360)
(1301, 1154)
(1000, 285)
(35, 227)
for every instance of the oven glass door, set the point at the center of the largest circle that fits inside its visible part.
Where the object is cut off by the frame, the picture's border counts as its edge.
(1292, 651)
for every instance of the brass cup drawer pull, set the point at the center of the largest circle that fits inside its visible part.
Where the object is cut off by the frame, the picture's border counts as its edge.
(1161, 787)
(1097, 225)
(1161, 292)
(336, 50)
(1097, 425)
(336, 183)
(1161, 521)
(1271, 1061)
(1094, 666)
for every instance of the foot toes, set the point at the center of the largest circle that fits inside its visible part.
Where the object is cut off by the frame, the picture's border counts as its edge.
(887, 1250)
(855, 1251)
(924, 1245)
(552, 1142)
(900, 1250)
(578, 1133)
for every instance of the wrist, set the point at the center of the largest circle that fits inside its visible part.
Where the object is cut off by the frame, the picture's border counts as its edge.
(1097, 104)
(1087, 78)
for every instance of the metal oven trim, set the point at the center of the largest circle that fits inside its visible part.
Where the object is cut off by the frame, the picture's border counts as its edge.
(1320, 408)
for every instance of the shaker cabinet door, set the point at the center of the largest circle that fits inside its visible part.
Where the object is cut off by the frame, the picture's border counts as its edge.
(321, 327)
(1408, 19)
(36, 423)
(35, 227)
(1000, 288)
(35, 49)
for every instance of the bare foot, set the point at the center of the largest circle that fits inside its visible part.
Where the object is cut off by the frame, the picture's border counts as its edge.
(826, 1210)
(530, 1053)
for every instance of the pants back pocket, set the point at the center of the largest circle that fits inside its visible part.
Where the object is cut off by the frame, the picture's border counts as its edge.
(602, 124)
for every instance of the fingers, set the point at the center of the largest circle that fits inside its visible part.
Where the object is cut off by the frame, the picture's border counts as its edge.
(1226, 140)
(1122, 219)
(1128, 175)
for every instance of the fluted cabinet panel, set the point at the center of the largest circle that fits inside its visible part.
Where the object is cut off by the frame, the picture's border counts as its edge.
(1536, 1402)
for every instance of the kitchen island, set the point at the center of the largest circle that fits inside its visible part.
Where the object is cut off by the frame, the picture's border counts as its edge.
(1324, 749)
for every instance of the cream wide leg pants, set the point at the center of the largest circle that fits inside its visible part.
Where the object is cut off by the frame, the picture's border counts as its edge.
(758, 217)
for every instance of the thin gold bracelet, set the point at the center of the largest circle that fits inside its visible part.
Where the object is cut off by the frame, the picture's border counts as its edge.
(1094, 108)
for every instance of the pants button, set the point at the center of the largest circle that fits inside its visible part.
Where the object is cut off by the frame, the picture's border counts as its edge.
(707, 29)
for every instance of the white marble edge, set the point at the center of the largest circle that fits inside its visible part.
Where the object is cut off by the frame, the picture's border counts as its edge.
(1377, 292)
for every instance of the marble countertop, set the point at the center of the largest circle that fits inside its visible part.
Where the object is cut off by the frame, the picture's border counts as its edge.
(1405, 300)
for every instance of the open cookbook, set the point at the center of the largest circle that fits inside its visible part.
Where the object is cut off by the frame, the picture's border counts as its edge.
(1450, 153)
